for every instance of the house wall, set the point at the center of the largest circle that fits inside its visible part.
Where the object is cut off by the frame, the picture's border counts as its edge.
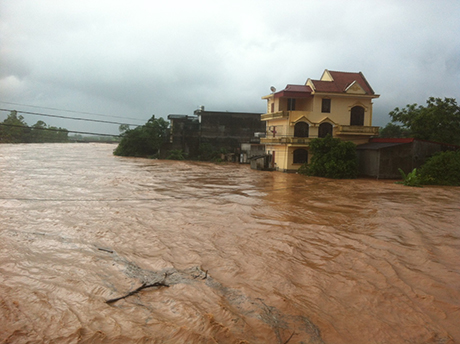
(271, 100)
(340, 109)
(284, 157)
(280, 155)
(282, 127)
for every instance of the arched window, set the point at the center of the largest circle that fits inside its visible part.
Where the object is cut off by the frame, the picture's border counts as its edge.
(357, 115)
(324, 129)
(300, 156)
(301, 129)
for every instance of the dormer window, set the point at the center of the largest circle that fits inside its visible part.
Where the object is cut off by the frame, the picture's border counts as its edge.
(326, 105)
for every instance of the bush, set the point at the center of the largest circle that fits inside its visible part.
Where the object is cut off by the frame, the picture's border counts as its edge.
(332, 158)
(207, 152)
(442, 169)
(411, 179)
(176, 154)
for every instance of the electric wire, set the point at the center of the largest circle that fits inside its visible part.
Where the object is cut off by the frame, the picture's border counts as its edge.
(57, 129)
(73, 118)
(71, 111)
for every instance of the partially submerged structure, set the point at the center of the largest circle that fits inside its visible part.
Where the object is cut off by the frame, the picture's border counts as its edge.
(338, 104)
(383, 157)
(218, 129)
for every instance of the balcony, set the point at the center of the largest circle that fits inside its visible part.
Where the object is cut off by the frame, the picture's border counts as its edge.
(292, 115)
(356, 130)
(285, 140)
(274, 115)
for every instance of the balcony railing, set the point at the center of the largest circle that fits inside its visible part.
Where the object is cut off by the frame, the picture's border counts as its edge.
(292, 115)
(286, 139)
(355, 130)
(274, 115)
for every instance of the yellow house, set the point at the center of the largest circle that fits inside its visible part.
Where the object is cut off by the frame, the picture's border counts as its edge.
(339, 104)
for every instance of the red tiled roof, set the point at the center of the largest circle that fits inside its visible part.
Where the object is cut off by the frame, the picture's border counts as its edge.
(341, 81)
(294, 91)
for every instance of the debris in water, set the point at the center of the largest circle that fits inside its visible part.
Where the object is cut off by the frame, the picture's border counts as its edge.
(143, 286)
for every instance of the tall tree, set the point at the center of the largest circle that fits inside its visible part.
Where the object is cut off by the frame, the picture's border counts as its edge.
(394, 131)
(14, 129)
(144, 140)
(438, 121)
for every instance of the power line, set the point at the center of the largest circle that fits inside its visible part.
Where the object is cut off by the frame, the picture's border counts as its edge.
(72, 111)
(73, 118)
(52, 129)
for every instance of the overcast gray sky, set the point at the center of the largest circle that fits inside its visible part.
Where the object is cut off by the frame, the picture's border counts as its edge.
(137, 58)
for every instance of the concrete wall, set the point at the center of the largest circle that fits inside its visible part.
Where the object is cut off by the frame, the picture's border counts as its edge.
(235, 125)
(385, 162)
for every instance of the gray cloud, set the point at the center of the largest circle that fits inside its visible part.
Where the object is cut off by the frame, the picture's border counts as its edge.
(140, 58)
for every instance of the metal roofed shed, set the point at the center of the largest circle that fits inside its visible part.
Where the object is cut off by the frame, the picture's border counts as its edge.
(382, 158)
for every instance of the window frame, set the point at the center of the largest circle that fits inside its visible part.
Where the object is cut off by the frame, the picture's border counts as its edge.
(295, 156)
(297, 129)
(357, 117)
(326, 105)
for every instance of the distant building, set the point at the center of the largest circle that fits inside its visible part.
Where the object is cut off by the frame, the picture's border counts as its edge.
(184, 133)
(221, 130)
(339, 104)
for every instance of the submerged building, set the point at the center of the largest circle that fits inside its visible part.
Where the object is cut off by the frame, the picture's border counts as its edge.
(338, 104)
(221, 130)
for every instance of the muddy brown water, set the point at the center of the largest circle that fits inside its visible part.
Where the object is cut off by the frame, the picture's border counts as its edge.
(247, 256)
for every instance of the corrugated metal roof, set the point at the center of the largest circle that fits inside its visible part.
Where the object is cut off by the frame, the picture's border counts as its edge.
(379, 145)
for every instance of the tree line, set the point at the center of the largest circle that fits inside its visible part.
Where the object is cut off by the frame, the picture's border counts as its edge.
(14, 129)
(438, 121)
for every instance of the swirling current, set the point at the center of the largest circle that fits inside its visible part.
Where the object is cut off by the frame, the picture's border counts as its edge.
(218, 253)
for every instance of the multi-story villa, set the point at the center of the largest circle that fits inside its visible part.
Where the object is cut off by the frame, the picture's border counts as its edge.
(339, 104)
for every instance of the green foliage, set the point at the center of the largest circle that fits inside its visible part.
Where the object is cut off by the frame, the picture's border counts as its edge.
(442, 169)
(15, 130)
(438, 121)
(176, 154)
(411, 179)
(123, 128)
(207, 152)
(145, 140)
(332, 158)
(394, 131)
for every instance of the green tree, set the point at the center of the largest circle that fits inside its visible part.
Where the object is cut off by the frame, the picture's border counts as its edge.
(144, 140)
(14, 129)
(332, 158)
(40, 132)
(394, 131)
(438, 121)
(123, 127)
(37, 132)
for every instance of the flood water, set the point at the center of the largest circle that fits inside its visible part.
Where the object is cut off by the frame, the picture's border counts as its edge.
(237, 255)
